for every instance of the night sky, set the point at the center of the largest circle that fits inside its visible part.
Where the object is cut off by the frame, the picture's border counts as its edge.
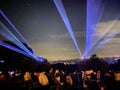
(42, 26)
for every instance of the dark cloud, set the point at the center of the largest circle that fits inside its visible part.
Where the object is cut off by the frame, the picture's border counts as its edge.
(117, 36)
(111, 10)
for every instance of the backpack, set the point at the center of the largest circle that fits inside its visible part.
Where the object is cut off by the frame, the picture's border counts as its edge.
(43, 79)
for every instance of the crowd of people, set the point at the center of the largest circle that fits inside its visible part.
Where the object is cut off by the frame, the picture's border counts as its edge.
(56, 79)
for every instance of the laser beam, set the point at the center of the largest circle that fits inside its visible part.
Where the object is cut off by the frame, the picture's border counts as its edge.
(104, 33)
(10, 36)
(14, 28)
(94, 10)
(14, 49)
(63, 14)
(104, 41)
(92, 19)
(101, 6)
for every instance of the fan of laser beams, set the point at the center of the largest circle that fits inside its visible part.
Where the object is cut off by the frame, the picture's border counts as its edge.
(104, 33)
(16, 30)
(10, 36)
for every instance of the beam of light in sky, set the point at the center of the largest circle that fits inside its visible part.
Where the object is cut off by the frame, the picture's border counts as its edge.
(104, 41)
(10, 36)
(63, 14)
(100, 11)
(104, 33)
(14, 28)
(14, 49)
(93, 16)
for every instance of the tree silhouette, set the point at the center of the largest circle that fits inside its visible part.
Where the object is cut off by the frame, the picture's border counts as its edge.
(94, 63)
(14, 59)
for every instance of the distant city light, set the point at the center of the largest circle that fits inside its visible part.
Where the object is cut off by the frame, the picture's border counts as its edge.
(40, 59)
(84, 58)
(1, 61)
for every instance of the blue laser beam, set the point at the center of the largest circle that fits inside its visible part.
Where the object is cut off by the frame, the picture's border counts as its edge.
(14, 49)
(104, 41)
(16, 30)
(15, 40)
(107, 30)
(104, 33)
(10, 36)
(94, 13)
(101, 6)
(90, 25)
(63, 14)
(22, 52)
